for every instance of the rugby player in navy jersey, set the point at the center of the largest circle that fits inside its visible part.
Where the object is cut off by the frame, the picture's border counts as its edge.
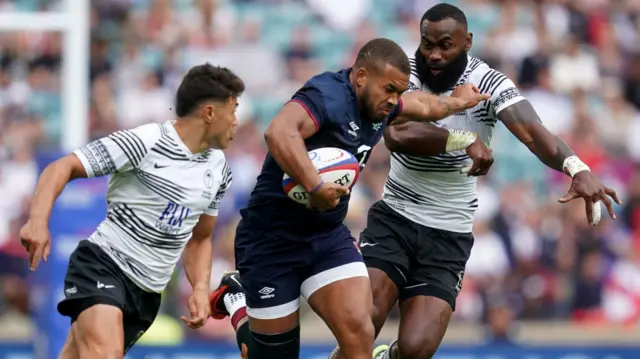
(284, 250)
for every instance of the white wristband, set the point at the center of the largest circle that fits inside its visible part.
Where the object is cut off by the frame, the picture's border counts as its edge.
(572, 165)
(459, 140)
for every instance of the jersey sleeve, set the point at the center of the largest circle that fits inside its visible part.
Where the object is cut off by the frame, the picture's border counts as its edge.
(227, 178)
(414, 79)
(503, 91)
(397, 110)
(119, 152)
(313, 101)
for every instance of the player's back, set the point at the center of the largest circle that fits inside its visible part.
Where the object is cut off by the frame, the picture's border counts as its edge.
(331, 102)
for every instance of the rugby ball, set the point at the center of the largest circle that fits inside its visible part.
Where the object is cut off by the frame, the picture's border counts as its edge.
(333, 165)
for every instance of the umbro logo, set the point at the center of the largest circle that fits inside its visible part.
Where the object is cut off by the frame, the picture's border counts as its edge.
(159, 166)
(267, 292)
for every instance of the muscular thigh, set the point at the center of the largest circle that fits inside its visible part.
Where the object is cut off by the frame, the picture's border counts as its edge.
(385, 245)
(338, 289)
(98, 332)
(97, 289)
(95, 295)
(437, 265)
(272, 268)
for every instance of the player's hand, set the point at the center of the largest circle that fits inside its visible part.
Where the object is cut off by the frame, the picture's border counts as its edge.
(327, 197)
(199, 308)
(470, 94)
(482, 158)
(586, 186)
(35, 238)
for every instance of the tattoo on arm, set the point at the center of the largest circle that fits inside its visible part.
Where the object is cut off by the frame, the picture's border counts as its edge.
(442, 103)
(523, 121)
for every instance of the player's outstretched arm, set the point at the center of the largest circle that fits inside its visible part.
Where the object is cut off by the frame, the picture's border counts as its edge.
(421, 106)
(34, 235)
(197, 260)
(523, 121)
(51, 183)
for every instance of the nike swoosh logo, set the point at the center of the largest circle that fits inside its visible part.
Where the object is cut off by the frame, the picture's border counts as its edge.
(158, 166)
(233, 278)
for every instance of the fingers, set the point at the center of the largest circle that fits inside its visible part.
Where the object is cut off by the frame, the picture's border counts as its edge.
(193, 308)
(612, 193)
(474, 168)
(203, 311)
(588, 205)
(342, 191)
(596, 211)
(192, 323)
(35, 255)
(570, 196)
(607, 202)
(198, 315)
(47, 251)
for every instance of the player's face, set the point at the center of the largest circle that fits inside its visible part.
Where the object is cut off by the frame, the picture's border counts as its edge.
(380, 91)
(223, 122)
(442, 55)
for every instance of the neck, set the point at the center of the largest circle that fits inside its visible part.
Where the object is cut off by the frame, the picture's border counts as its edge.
(352, 78)
(191, 134)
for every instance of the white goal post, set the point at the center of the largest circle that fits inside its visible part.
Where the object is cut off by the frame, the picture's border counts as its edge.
(73, 22)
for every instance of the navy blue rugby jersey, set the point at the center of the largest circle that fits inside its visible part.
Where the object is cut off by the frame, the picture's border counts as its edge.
(331, 102)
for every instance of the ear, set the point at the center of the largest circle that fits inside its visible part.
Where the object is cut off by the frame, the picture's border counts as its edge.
(207, 112)
(468, 42)
(361, 76)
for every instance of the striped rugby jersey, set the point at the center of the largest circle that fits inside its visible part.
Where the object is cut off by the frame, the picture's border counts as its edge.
(432, 191)
(157, 192)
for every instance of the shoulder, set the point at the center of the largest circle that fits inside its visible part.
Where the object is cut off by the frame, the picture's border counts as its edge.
(326, 91)
(329, 85)
(488, 80)
(145, 135)
(219, 162)
(414, 78)
(502, 89)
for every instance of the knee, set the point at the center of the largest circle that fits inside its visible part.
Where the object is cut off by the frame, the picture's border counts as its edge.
(379, 317)
(417, 347)
(359, 325)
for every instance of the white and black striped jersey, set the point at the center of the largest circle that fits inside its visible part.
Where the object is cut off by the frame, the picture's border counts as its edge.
(157, 192)
(432, 191)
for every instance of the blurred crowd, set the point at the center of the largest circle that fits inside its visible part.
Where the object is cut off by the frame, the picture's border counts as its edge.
(577, 61)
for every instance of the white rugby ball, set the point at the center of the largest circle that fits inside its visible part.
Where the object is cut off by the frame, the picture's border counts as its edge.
(333, 164)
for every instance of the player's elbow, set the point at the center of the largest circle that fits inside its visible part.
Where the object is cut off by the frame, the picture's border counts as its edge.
(393, 138)
(68, 167)
(271, 134)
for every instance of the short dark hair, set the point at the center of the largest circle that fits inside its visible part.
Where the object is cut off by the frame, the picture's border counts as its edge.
(383, 51)
(443, 11)
(206, 82)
